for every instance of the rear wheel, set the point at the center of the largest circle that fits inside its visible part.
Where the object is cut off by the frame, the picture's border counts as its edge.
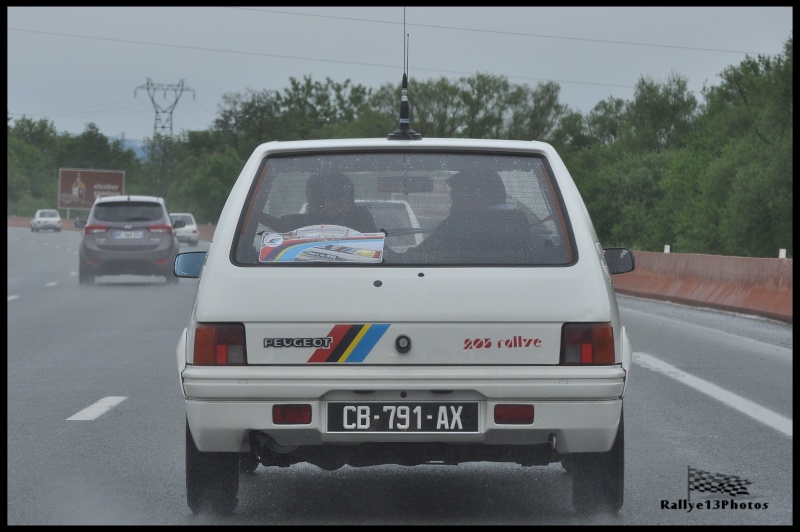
(598, 479)
(84, 275)
(212, 479)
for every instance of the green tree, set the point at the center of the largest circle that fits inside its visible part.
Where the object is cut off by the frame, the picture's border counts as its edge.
(436, 108)
(660, 115)
(206, 181)
(746, 128)
(533, 113)
(160, 170)
(484, 99)
(605, 121)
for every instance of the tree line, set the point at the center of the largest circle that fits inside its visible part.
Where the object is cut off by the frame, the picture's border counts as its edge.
(709, 176)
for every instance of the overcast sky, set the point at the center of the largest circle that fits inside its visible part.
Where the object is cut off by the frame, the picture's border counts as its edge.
(75, 65)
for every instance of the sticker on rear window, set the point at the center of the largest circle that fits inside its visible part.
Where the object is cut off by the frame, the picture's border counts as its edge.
(322, 243)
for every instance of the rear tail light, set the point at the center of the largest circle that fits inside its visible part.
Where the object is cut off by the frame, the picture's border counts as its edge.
(219, 344)
(94, 228)
(590, 344)
(513, 414)
(160, 228)
(291, 414)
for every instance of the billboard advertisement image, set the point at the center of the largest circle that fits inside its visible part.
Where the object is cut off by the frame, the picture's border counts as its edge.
(78, 188)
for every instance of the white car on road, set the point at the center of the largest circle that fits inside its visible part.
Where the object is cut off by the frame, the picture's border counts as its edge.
(493, 335)
(188, 233)
(46, 219)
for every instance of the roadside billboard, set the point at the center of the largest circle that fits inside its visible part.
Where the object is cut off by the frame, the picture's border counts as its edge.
(79, 187)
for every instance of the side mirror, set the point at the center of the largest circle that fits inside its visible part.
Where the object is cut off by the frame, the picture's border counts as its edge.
(619, 260)
(80, 224)
(189, 264)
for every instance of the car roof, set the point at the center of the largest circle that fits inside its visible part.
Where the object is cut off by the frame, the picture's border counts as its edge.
(107, 199)
(424, 143)
(181, 214)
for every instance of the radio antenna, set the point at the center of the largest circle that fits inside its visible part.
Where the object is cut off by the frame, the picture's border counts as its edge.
(404, 132)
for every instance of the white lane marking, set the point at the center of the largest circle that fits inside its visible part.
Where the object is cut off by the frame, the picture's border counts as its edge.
(52, 283)
(705, 327)
(12, 298)
(745, 406)
(96, 410)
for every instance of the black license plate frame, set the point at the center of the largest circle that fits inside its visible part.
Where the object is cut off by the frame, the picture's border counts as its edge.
(417, 417)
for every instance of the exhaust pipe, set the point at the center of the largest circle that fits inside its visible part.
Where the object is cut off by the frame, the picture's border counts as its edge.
(258, 439)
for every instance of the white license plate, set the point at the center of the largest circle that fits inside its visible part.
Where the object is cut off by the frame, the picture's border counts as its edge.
(128, 234)
(403, 417)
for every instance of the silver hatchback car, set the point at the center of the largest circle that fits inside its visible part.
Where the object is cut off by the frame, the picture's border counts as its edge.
(127, 235)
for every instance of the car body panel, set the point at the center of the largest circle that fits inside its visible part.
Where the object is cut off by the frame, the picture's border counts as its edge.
(484, 333)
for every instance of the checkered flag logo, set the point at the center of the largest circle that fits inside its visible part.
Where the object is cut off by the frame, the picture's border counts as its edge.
(704, 481)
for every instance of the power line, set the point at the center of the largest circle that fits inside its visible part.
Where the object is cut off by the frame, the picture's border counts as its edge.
(498, 32)
(299, 58)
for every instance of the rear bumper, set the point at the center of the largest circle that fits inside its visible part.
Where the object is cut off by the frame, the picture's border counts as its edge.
(46, 225)
(579, 409)
(187, 238)
(159, 261)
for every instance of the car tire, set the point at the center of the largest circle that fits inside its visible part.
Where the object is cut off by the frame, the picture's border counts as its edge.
(212, 479)
(598, 479)
(85, 277)
(33, 230)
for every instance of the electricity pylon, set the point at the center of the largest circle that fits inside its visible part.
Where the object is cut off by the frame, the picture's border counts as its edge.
(163, 121)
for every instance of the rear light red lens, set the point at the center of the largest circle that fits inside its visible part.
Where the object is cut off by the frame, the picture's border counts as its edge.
(291, 414)
(587, 344)
(160, 228)
(513, 414)
(219, 344)
(94, 228)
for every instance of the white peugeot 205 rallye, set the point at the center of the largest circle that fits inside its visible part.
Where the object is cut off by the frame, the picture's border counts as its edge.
(318, 335)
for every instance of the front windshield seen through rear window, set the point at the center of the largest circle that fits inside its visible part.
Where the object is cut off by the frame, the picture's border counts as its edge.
(129, 211)
(415, 208)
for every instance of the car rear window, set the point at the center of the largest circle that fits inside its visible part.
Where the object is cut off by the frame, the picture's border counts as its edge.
(128, 211)
(506, 210)
(48, 214)
(185, 218)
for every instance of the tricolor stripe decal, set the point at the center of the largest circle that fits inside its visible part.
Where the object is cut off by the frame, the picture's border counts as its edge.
(351, 343)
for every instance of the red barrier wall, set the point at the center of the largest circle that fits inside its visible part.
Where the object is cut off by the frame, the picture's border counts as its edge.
(762, 287)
